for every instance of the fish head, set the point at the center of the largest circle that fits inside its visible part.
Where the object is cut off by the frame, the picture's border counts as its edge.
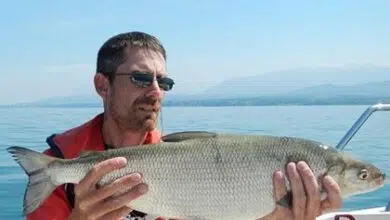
(356, 177)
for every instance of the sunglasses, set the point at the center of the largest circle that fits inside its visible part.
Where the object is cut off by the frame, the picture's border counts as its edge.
(144, 80)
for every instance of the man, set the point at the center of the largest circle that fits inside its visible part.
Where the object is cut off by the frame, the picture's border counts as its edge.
(131, 78)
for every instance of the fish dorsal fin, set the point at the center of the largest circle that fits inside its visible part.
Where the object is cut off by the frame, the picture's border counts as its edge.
(187, 135)
(89, 153)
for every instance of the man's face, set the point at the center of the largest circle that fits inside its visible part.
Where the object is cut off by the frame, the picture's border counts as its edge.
(133, 107)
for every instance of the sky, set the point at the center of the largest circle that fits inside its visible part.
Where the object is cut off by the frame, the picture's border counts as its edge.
(49, 48)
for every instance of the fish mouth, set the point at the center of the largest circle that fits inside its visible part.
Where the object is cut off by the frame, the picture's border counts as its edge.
(381, 179)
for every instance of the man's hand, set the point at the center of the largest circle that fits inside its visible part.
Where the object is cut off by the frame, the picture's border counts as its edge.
(307, 204)
(93, 203)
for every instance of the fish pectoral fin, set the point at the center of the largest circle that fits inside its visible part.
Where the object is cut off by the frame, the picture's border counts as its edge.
(286, 201)
(187, 135)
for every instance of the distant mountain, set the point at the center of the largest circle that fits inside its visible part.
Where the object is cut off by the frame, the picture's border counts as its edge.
(88, 100)
(281, 82)
(285, 100)
(359, 85)
(78, 99)
(331, 90)
(329, 94)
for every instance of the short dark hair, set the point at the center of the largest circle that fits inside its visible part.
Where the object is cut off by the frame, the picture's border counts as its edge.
(112, 53)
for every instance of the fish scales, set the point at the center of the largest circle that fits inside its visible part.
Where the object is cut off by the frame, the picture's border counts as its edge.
(226, 177)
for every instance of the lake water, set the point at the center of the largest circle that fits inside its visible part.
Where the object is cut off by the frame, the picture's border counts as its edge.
(30, 126)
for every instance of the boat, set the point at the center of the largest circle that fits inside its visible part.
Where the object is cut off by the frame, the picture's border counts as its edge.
(376, 213)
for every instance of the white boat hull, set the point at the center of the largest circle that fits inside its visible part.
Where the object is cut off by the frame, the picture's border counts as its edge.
(377, 213)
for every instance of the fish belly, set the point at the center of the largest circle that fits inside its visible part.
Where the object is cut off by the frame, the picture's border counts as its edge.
(214, 183)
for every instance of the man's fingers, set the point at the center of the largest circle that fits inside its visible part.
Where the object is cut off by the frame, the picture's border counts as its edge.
(312, 190)
(98, 171)
(114, 203)
(279, 185)
(123, 183)
(334, 199)
(298, 192)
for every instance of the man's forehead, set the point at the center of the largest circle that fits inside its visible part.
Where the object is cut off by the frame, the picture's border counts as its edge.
(135, 53)
(144, 59)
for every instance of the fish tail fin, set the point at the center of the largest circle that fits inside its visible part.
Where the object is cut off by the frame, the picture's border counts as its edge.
(40, 184)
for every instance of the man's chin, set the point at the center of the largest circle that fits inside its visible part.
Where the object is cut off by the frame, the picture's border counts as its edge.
(149, 124)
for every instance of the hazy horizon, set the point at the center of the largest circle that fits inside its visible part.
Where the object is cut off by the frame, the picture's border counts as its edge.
(49, 48)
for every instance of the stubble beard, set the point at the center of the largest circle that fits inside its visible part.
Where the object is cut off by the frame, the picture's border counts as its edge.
(139, 121)
(135, 118)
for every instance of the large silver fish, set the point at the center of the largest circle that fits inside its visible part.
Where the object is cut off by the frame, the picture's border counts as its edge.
(202, 175)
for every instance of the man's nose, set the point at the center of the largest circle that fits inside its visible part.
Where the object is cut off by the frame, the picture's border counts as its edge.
(154, 90)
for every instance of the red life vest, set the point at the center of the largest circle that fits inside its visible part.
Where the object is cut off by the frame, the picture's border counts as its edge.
(70, 144)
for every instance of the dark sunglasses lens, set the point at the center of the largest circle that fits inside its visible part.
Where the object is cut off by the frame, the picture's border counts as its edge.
(165, 83)
(142, 79)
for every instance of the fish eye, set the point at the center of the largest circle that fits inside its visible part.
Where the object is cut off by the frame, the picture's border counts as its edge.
(363, 174)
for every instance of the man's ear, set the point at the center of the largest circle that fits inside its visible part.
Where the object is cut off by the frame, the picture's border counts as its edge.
(101, 83)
